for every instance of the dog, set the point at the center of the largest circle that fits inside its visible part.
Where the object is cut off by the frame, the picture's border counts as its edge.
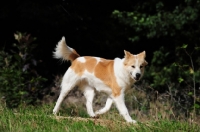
(92, 74)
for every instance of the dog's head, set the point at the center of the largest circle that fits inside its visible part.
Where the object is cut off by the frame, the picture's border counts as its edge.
(135, 64)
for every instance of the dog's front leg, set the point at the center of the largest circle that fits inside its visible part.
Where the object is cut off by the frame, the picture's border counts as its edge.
(120, 104)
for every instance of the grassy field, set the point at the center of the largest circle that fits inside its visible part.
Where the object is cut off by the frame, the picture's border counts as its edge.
(40, 119)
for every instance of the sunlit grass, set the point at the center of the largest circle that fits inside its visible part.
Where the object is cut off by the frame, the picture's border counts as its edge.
(40, 119)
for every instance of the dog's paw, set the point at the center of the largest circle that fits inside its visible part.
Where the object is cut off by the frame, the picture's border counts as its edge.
(55, 112)
(95, 117)
(132, 121)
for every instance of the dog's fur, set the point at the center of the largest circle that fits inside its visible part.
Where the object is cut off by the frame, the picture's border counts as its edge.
(92, 74)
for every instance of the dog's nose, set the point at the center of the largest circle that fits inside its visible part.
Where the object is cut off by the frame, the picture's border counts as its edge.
(138, 75)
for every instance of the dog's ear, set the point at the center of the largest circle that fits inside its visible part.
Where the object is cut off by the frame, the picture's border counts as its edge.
(144, 56)
(127, 54)
(127, 57)
(145, 63)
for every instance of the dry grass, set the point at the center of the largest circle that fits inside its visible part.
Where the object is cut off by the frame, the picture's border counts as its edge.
(153, 114)
(41, 119)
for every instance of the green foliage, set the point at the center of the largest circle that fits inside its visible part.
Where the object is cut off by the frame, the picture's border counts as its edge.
(160, 73)
(164, 72)
(179, 77)
(174, 68)
(20, 83)
(154, 19)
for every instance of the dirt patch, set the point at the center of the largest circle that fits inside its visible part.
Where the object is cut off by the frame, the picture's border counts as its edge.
(96, 121)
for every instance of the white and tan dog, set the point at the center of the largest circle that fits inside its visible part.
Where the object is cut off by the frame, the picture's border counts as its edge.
(92, 74)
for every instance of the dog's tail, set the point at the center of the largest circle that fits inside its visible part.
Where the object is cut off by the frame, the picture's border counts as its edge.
(62, 51)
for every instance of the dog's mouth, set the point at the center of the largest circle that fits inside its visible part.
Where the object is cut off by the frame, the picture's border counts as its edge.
(136, 79)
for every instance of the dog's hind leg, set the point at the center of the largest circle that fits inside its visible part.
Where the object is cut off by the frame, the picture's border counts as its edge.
(89, 95)
(106, 108)
(69, 81)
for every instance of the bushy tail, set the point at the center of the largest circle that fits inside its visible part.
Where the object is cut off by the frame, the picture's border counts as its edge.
(62, 51)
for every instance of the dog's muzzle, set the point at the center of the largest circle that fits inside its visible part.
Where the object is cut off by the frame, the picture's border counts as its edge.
(137, 76)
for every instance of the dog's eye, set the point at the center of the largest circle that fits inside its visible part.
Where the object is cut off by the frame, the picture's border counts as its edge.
(141, 67)
(133, 66)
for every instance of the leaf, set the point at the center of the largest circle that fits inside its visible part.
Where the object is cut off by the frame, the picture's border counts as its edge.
(190, 93)
(141, 20)
(175, 64)
(184, 46)
(22, 92)
(197, 48)
(180, 79)
(115, 12)
(185, 65)
(191, 70)
(135, 18)
(197, 106)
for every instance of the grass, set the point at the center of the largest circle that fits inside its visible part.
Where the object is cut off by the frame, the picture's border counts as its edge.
(40, 119)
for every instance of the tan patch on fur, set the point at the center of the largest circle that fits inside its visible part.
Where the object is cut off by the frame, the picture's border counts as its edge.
(90, 64)
(77, 66)
(73, 55)
(104, 70)
(80, 67)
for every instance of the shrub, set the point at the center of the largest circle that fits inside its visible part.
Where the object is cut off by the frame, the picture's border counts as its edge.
(20, 82)
(177, 74)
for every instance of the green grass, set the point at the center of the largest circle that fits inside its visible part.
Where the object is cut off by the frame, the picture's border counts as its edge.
(40, 119)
